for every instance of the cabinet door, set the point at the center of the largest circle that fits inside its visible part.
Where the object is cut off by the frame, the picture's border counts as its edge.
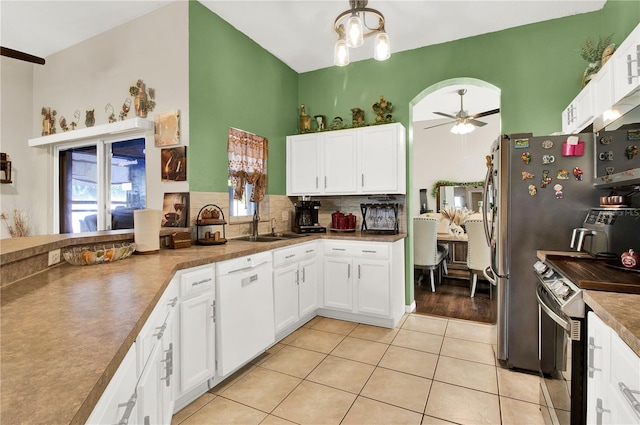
(568, 118)
(340, 149)
(378, 160)
(308, 287)
(373, 287)
(626, 65)
(584, 108)
(167, 368)
(197, 341)
(602, 89)
(148, 390)
(338, 292)
(285, 296)
(303, 164)
(598, 364)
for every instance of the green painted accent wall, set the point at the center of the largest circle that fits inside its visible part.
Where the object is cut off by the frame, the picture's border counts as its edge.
(536, 66)
(233, 82)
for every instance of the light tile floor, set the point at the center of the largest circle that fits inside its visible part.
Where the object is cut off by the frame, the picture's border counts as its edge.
(428, 370)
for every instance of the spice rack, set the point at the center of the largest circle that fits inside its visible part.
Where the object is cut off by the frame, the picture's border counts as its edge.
(210, 215)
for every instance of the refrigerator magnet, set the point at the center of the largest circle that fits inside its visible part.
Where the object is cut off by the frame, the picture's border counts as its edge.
(563, 175)
(577, 173)
(548, 159)
(606, 140)
(526, 157)
(631, 151)
(527, 175)
(521, 143)
(558, 188)
(532, 190)
(546, 180)
(609, 170)
(547, 144)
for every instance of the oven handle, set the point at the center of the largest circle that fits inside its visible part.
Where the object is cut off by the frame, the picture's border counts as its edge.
(552, 314)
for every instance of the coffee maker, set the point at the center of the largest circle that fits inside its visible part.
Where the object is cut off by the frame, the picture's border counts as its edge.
(607, 231)
(306, 218)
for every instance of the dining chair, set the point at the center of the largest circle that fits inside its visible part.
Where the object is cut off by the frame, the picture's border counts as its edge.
(426, 252)
(478, 252)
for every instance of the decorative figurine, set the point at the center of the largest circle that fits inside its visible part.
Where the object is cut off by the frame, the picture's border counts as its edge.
(305, 120)
(321, 120)
(90, 119)
(126, 107)
(142, 98)
(49, 121)
(382, 108)
(76, 118)
(112, 115)
(63, 123)
(357, 116)
(336, 124)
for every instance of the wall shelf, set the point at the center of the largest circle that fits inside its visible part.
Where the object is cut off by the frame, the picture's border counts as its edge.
(133, 125)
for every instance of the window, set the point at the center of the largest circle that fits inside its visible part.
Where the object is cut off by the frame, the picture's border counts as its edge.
(247, 182)
(100, 184)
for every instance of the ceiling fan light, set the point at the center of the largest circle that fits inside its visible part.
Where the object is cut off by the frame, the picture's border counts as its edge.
(462, 128)
(341, 53)
(382, 47)
(355, 31)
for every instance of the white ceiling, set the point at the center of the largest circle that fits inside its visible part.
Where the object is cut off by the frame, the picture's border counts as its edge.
(298, 32)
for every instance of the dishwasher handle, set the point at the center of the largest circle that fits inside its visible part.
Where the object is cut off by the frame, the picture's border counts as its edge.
(251, 266)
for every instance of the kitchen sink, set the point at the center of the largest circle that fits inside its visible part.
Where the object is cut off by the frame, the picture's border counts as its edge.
(270, 237)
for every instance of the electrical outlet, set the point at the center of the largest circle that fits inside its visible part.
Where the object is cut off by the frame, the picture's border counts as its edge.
(54, 257)
(285, 215)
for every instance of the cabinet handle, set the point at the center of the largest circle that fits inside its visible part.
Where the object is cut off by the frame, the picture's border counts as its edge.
(358, 271)
(592, 347)
(147, 420)
(338, 249)
(297, 277)
(168, 365)
(325, 182)
(161, 331)
(127, 412)
(316, 182)
(362, 178)
(304, 278)
(599, 411)
(630, 75)
(173, 302)
(348, 270)
(213, 311)
(628, 395)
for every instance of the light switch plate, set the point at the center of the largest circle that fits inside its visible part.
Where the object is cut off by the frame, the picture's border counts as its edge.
(285, 215)
(54, 257)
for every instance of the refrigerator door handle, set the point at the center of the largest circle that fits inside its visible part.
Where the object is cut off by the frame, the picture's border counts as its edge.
(485, 197)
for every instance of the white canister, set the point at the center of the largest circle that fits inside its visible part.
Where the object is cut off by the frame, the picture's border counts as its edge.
(146, 230)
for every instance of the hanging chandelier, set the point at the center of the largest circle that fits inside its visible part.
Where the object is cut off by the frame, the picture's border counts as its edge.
(351, 27)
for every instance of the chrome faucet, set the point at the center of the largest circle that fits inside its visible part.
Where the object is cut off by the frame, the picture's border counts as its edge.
(273, 226)
(256, 220)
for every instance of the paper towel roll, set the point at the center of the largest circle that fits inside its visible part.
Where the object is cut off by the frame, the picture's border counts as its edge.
(146, 230)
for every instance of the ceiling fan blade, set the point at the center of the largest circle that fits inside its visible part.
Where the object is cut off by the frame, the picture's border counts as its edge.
(476, 123)
(446, 115)
(10, 53)
(438, 125)
(485, 113)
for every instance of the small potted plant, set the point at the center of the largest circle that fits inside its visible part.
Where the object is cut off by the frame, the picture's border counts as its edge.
(592, 51)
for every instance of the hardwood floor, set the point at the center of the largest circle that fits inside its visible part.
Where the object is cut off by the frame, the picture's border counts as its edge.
(452, 299)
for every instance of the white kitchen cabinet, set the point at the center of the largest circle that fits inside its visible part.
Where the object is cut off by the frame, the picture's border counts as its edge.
(340, 158)
(580, 112)
(196, 351)
(295, 284)
(364, 281)
(304, 165)
(365, 160)
(603, 89)
(118, 403)
(626, 65)
(244, 312)
(613, 376)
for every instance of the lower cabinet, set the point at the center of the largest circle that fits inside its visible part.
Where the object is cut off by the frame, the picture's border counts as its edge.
(613, 376)
(295, 284)
(365, 281)
(196, 347)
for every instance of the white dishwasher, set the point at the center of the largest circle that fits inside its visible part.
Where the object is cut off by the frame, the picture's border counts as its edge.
(244, 310)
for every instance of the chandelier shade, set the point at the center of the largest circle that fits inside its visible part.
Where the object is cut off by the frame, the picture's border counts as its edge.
(352, 28)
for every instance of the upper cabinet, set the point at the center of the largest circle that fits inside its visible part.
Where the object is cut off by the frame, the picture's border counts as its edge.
(626, 66)
(365, 160)
(617, 78)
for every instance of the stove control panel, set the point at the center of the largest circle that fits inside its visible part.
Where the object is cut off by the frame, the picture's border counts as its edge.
(566, 293)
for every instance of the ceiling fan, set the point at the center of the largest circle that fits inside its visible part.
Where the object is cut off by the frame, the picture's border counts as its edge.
(465, 123)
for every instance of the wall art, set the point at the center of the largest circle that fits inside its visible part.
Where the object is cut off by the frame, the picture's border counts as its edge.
(173, 163)
(167, 128)
(175, 210)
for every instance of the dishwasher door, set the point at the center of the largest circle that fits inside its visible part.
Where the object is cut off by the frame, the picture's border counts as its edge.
(244, 311)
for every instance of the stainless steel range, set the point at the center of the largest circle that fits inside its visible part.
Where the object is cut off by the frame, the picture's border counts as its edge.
(561, 345)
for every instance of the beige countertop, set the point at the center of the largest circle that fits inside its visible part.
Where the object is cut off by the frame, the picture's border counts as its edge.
(65, 330)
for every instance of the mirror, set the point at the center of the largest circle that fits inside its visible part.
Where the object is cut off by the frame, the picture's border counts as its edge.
(458, 194)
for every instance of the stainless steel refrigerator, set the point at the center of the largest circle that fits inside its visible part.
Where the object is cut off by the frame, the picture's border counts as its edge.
(529, 213)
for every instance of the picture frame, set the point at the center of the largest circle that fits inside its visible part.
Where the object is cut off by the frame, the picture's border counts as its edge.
(167, 128)
(173, 164)
(175, 210)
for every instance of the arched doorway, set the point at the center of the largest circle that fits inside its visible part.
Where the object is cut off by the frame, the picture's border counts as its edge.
(436, 154)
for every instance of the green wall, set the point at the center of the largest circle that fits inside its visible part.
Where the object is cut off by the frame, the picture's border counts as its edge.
(233, 82)
(536, 66)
